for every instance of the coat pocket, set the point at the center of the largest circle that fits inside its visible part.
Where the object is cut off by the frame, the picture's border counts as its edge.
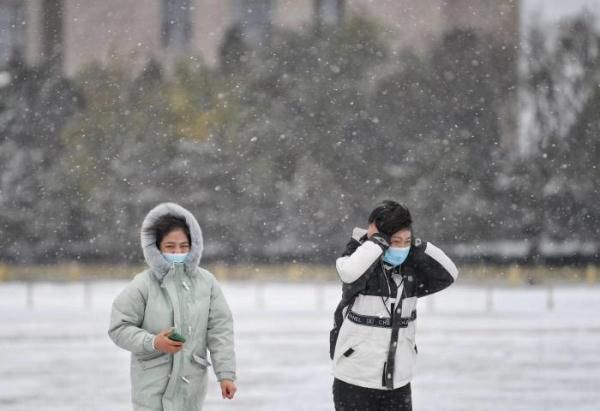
(155, 362)
(348, 351)
(362, 361)
(201, 361)
(406, 359)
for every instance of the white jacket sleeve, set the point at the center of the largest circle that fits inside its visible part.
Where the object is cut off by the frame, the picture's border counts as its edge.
(350, 268)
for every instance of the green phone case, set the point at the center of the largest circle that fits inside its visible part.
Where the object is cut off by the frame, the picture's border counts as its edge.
(175, 336)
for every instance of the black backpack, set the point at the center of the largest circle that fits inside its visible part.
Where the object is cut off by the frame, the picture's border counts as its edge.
(338, 318)
(349, 293)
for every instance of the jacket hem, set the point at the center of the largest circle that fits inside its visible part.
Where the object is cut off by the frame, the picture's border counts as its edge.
(375, 386)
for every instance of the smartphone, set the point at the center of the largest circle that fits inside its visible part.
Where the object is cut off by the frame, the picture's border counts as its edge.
(175, 336)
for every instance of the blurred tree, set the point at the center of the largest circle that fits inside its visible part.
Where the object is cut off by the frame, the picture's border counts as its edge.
(37, 221)
(146, 140)
(233, 53)
(305, 97)
(582, 171)
(558, 145)
(287, 145)
(442, 124)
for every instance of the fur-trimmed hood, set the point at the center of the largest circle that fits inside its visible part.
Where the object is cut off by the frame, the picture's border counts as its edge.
(154, 258)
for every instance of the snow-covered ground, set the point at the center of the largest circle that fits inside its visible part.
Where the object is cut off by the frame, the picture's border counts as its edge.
(478, 350)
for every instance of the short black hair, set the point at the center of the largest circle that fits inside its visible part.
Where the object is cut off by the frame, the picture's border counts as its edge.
(167, 223)
(390, 217)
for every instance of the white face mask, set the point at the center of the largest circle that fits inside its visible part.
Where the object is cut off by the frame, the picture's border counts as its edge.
(175, 258)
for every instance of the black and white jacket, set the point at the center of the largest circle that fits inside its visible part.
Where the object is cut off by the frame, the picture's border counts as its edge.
(375, 345)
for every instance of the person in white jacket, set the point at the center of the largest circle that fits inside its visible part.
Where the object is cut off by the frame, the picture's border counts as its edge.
(384, 270)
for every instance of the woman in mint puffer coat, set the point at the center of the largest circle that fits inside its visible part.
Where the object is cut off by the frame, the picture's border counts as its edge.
(174, 294)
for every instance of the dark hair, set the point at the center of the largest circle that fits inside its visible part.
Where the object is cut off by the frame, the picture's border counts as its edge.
(390, 217)
(167, 223)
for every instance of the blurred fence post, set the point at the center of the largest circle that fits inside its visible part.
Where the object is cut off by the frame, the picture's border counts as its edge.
(259, 294)
(29, 294)
(489, 299)
(87, 295)
(320, 292)
(550, 298)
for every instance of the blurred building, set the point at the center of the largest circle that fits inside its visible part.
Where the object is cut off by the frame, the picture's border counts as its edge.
(73, 33)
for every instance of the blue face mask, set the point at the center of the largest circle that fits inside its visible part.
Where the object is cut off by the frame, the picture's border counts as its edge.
(396, 255)
(175, 258)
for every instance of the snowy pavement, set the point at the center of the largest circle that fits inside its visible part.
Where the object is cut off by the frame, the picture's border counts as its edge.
(478, 350)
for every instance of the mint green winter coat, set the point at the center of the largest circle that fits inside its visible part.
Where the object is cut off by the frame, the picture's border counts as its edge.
(183, 296)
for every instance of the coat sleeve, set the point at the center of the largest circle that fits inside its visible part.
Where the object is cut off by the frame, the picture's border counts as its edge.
(126, 319)
(357, 260)
(434, 270)
(220, 335)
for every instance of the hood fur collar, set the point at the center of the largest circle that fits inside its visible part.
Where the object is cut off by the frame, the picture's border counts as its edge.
(154, 258)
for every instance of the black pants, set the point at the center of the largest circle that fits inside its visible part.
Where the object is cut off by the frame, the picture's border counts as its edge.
(348, 397)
